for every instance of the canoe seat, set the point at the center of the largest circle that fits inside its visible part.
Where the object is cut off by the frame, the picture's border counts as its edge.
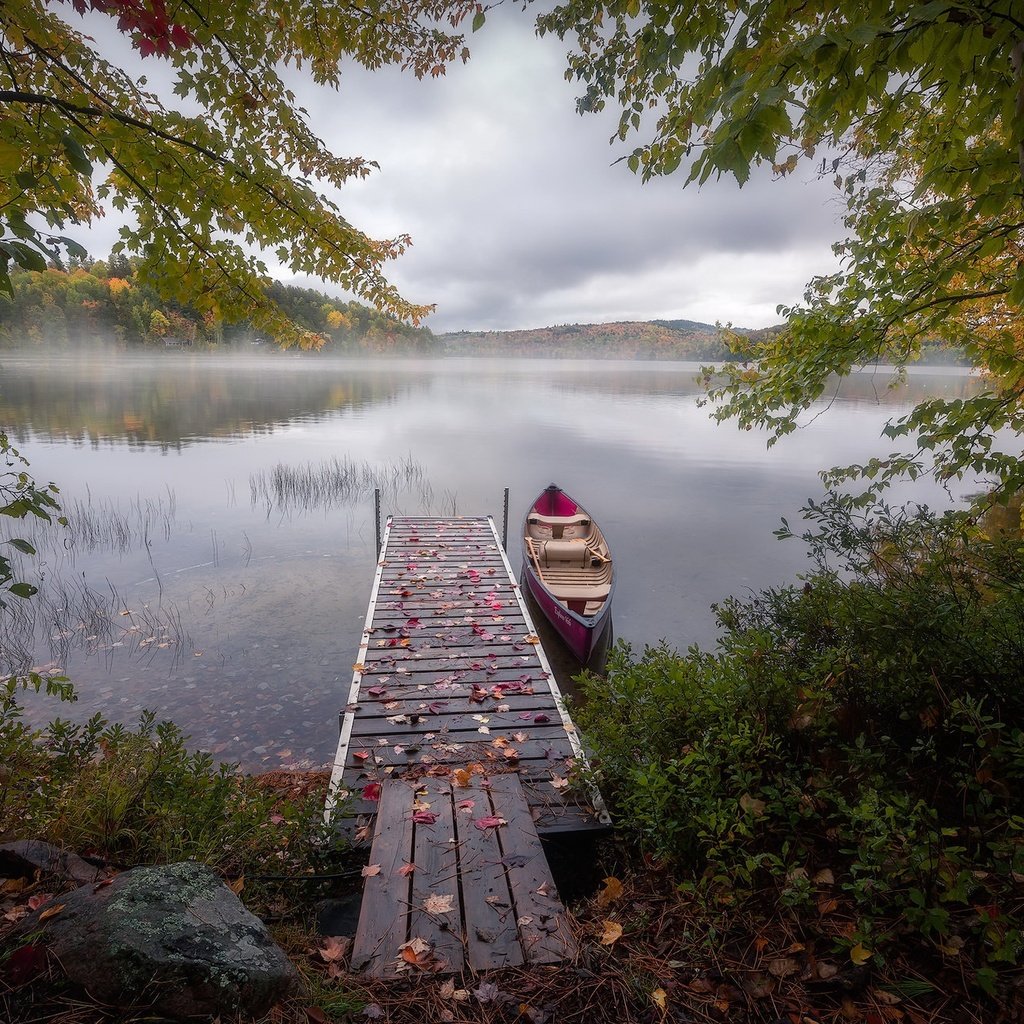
(558, 527)
(587, 592)
(536, 518)
(573, 552)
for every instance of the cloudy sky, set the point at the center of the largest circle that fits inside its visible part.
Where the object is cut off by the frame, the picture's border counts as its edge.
(520, 216)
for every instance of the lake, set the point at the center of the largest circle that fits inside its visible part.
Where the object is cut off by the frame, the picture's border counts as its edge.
(223, 545)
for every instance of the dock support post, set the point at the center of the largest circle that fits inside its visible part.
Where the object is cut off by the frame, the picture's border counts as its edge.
(376, 516)
(504, 526)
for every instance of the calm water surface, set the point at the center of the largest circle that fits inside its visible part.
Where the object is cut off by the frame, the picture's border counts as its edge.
(238, 614)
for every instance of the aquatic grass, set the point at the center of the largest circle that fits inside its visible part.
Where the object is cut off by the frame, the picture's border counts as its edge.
(330, 483)
(100, 524)
(67, 614)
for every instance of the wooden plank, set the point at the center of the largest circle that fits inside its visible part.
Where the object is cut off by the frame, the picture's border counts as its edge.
(492, 938)
(381, 930)
(543, 929)
(435, 854)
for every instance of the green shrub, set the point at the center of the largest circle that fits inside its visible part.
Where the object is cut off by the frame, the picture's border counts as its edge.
(868, 721)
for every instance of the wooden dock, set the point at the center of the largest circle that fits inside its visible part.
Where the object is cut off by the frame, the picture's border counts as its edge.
(456, 757)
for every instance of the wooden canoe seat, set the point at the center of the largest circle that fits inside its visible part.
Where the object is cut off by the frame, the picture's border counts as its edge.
(584, 592)
(560, 525)
(562, 552)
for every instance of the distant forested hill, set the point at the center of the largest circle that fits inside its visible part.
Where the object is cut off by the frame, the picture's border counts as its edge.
(102, 302)
(628, 340)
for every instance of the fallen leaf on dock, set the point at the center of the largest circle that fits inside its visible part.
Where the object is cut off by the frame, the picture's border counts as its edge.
(491, 821)
(438, 903)
(370, 870)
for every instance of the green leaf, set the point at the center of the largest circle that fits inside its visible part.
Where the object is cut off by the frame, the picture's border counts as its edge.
(24, 590)
(22, 545)
(76, 155)
(478, 20)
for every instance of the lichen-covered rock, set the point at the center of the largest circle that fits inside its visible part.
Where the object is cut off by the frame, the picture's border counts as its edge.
(173, 937)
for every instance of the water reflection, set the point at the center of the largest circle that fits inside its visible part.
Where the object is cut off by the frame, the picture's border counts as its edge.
(176, 399)
(241, 618)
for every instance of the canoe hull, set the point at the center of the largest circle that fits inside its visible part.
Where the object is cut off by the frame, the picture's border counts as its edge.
(580, 635)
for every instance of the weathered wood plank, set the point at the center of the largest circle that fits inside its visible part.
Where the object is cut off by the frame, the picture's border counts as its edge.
(436, 877)
(492, 938)
(381, 930)
(543, 929)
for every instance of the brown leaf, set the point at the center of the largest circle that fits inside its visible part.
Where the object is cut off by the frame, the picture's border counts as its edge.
(237, 885)
(51, 912)
(370, 870)
(334, 947)
(438, 903)
(783, 967)
(406, 869)
(611, 934)
(610, 893)
(751, 805)
(316, 1016)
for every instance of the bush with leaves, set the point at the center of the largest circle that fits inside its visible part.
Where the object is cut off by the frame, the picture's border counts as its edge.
(869, 723)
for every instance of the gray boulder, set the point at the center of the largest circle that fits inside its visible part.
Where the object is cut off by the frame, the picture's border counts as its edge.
(174, 938)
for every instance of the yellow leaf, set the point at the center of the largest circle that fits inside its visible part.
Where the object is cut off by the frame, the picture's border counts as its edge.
(54, 911)
(610, 893)
(358, 667)
(611, 934)
(660, 999)
(860, 954)
(237, 885)
(752, 805)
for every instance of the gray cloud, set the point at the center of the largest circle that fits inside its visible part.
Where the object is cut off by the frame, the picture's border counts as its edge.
(520, 216)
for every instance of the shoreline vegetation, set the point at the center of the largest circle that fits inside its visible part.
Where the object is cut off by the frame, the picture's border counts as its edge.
(101, 302)
(820, 819)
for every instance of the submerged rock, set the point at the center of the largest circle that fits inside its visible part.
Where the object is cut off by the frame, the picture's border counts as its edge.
(172, 937)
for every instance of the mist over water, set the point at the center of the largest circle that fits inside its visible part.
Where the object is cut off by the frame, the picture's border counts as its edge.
(222, 544)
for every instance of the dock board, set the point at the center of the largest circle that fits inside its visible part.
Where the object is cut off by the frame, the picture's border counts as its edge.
(450, 674)
(457, 879)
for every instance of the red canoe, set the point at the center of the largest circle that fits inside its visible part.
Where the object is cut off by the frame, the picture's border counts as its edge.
(568, 569)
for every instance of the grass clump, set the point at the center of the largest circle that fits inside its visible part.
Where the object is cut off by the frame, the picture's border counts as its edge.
(851, 753)
(140, 796)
